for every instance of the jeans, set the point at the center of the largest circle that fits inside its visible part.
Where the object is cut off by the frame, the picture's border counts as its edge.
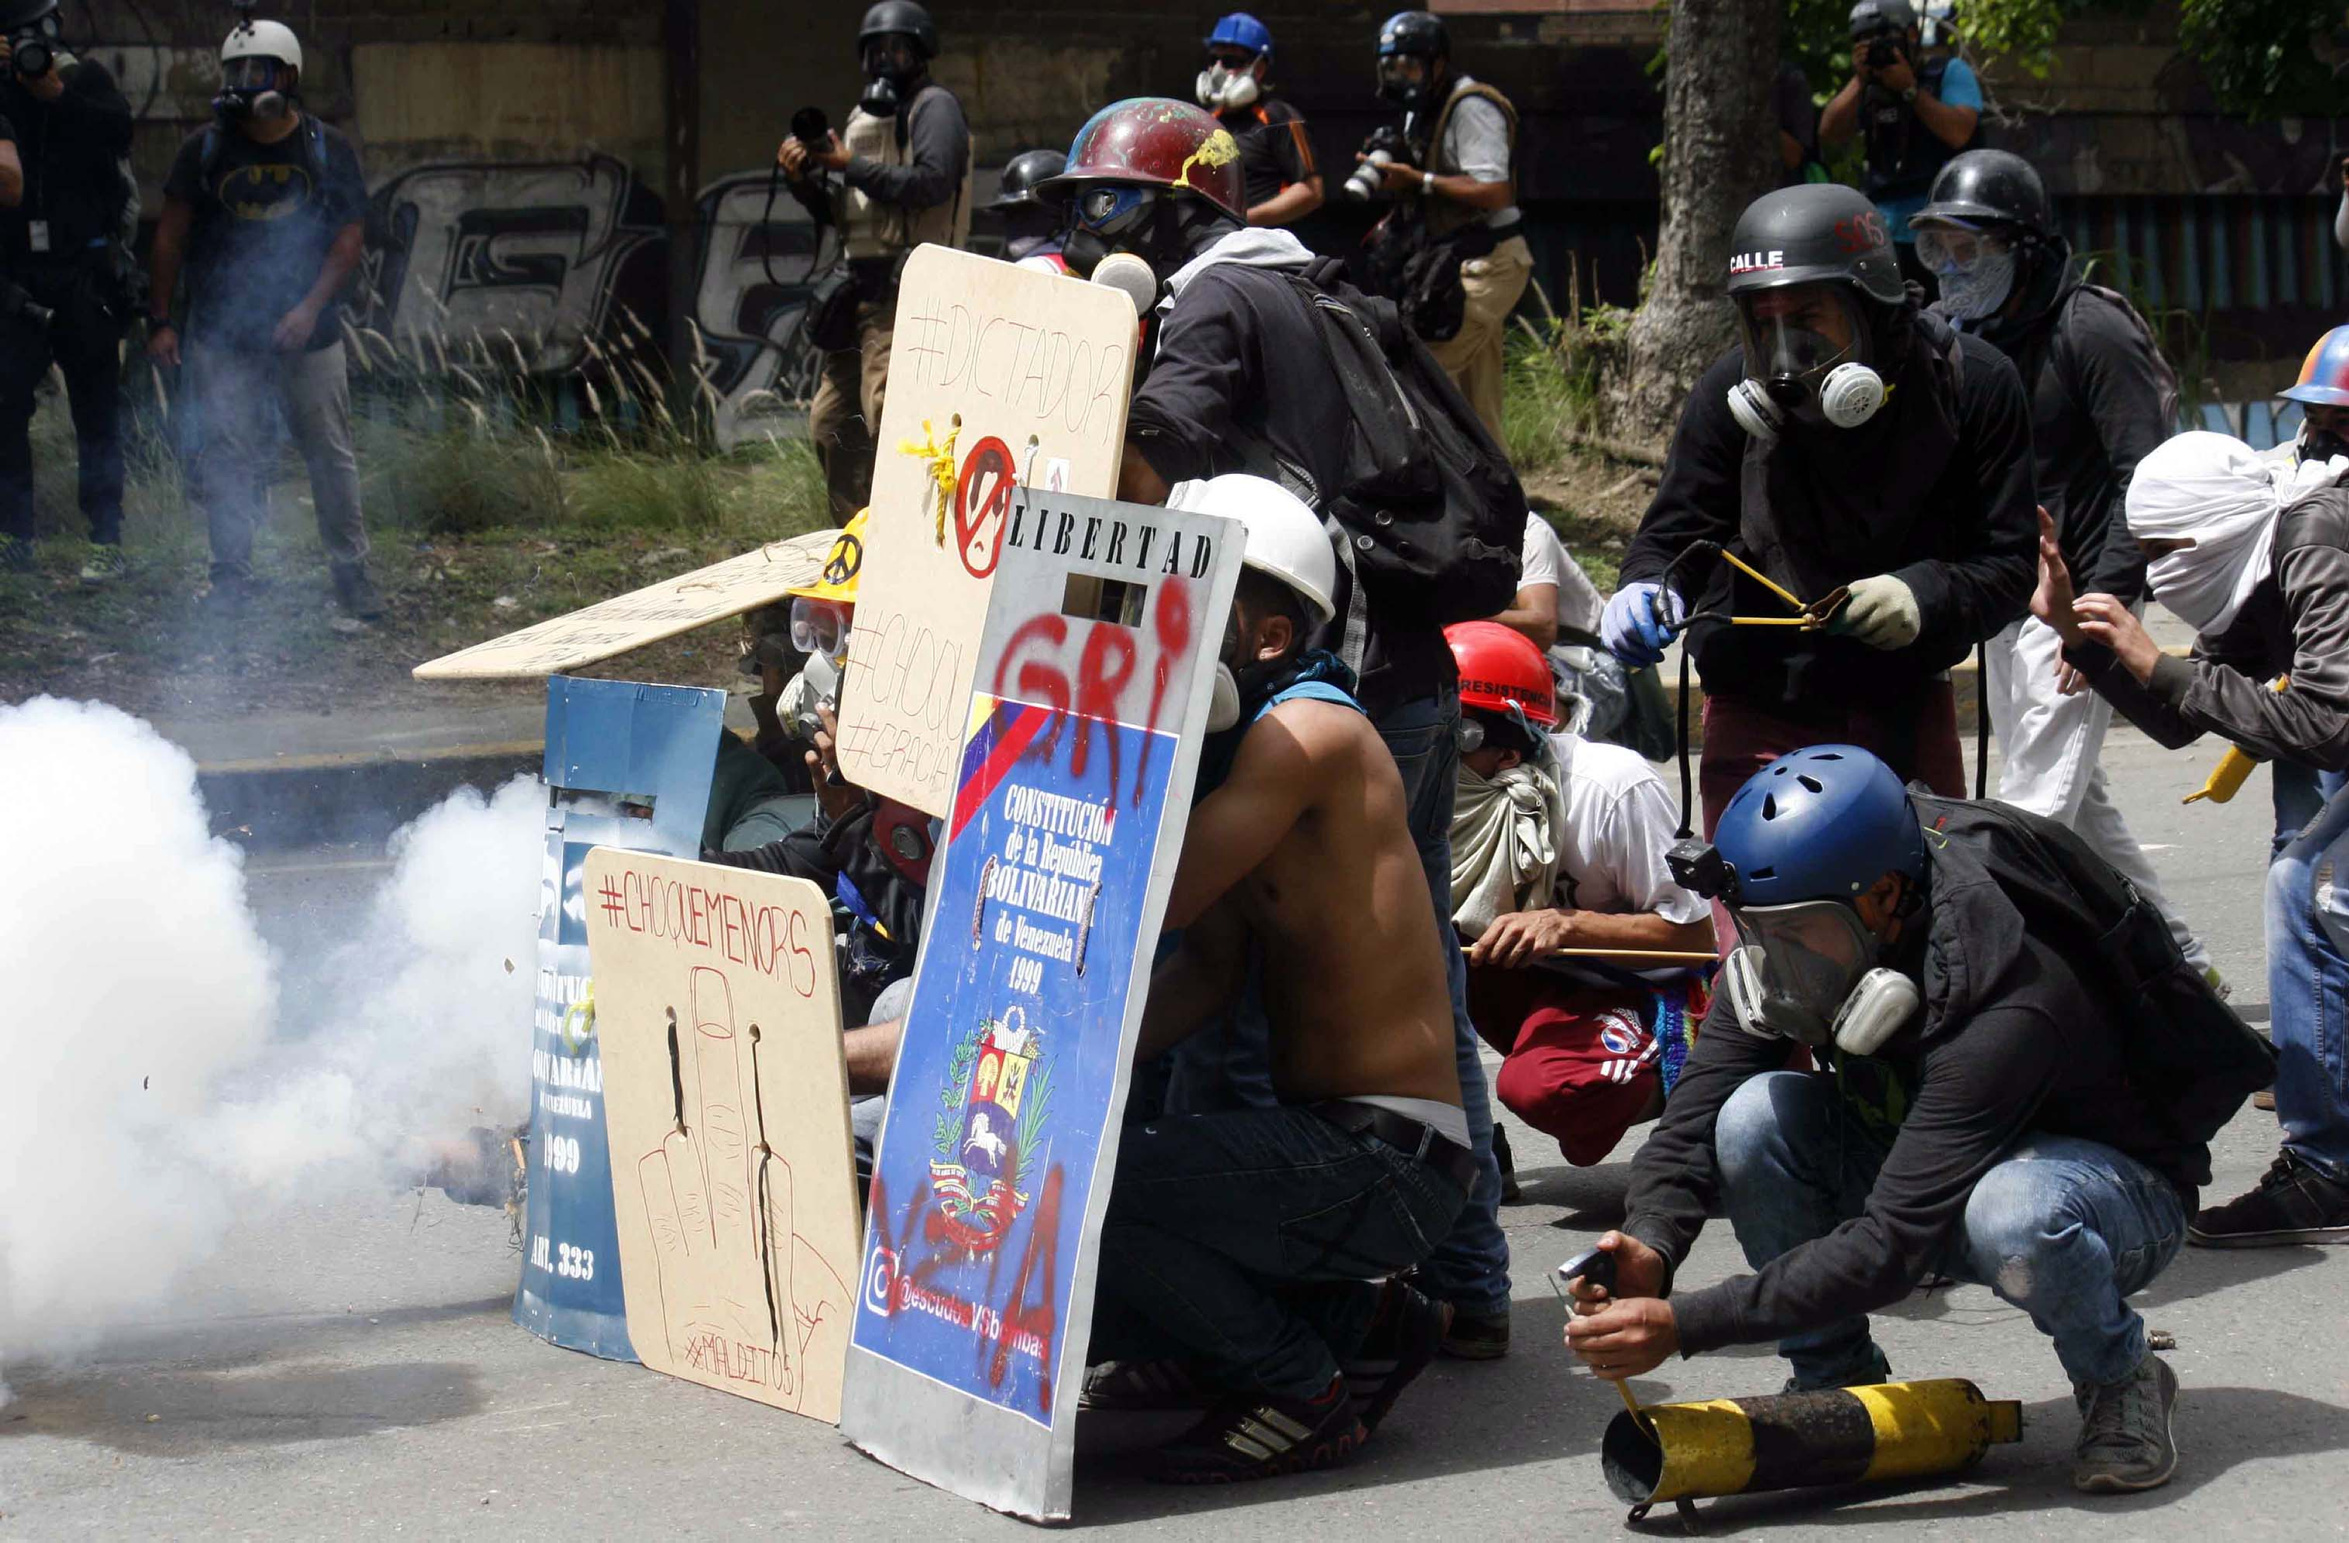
(1254, 1240)
(86, 343)
(232, 389)
(1470, 1268)
(2062, 1228)
(2308, 988)
(2300, 793)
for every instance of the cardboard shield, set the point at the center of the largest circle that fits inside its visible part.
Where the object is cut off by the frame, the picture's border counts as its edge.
(630, 766)
(999, 376)
(1081, 743)
(726, 1096)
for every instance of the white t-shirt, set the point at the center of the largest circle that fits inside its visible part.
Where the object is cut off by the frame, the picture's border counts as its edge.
(1545, 560)
(1619, 823)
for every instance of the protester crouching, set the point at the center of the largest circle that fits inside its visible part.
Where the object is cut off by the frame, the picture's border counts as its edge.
(2254, 555)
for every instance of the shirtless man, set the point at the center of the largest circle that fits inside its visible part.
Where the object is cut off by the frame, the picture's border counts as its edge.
(1250, 1242)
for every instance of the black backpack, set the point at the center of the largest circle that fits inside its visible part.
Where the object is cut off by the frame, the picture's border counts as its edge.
(2189, 1055)
(1432, 517)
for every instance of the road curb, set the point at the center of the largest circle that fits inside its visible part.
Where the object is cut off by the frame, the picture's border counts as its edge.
(296, 800)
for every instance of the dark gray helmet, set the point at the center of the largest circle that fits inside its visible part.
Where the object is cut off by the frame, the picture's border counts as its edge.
(1021, 174)
(1817, 232)
(1417, 33)
(1990, 187)
(900, 16)
(1869, 17)
(18, 14)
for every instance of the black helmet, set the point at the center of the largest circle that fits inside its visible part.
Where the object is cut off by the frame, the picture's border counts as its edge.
(900, 16)
(1416, 33)
(1869, 17)
(15, 14)
(1020, 176)
(1817, 232)
(1990, 187)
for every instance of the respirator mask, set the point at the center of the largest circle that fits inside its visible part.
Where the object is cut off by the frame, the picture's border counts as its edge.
(1224, 85)
(252, 87)
(890, 65)
(1976, 269)
(32, 49)
(1397, 87)
(2322, 442)
(1807, 973)
(1114, 217)
(1807, 351)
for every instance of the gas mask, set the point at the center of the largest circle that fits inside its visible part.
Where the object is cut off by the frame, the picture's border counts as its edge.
(2321, 444)
(1241, 682)
(1123, 217)
(1399, 89)
(1221, 88)
(1976, 270)
(1807, 353)
(890, 67)
(252, 87)
(1807, 972)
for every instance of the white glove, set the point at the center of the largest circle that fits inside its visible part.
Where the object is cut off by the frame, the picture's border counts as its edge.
(1882, 613)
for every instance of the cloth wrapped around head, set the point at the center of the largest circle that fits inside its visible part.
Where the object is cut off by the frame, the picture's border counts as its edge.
(2222, 497)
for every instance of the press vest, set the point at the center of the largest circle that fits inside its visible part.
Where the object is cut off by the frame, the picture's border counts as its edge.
(1904, 156)
(878, 229)
(1445, 215)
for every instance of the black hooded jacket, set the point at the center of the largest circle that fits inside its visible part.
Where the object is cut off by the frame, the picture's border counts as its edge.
(1936, 489)
(2101, 398)
(2013, 1040)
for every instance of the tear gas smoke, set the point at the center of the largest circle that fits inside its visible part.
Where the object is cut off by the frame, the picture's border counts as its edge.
(154, 1074)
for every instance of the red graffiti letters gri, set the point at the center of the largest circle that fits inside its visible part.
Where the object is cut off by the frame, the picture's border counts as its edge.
(1105, 667)
(771, 939)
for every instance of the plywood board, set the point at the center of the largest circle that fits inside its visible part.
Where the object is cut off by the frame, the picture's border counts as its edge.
(1015, 378)
(612, 627)
(1081, 745)
(726, 1100)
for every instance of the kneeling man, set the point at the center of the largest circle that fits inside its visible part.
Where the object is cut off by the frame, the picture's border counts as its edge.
(2024, 1076)
(1252, 1243)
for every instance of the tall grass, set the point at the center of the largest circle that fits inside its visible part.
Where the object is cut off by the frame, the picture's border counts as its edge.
(1556, 374)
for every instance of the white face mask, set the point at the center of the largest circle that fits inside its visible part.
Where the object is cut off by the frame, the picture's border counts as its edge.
(1221, 90)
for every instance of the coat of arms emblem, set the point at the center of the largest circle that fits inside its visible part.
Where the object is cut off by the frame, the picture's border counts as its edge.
(993, 1104)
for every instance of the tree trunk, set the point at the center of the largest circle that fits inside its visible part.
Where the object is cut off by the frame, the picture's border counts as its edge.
(1720, 153)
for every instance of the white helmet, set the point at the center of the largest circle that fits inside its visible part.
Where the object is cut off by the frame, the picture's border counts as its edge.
(1285, 538)
(263, 40)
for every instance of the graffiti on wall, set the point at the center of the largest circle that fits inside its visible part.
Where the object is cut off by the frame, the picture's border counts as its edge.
(533, 252)
(760, 255)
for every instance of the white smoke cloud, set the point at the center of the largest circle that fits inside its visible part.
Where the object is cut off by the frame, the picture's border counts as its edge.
(154, 1075)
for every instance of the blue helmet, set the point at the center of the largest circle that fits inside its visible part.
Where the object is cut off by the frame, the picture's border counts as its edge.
(1241, 30)
(1823, 823)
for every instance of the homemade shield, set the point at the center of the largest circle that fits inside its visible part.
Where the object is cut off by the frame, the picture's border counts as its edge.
(1080, 748)
(999, 377)
(726, 1096)
(627, 766)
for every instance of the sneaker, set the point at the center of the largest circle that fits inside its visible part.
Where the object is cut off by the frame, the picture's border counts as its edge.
(1402, 1343)
(2125, 1440)
(16, 554)
(1261, 1436)
(2293, 1204)
(105, 562)
(1877, 1370)
(358, 593)
(1136, 1387)
(1511, 1194)
(1477, 1336)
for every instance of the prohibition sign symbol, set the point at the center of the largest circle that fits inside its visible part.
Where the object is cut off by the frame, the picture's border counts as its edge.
(978, 523)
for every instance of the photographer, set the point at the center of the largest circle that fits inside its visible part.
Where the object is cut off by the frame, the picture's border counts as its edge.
(1459, 172)
(1914, 116)
(903, 178)
(64, 267)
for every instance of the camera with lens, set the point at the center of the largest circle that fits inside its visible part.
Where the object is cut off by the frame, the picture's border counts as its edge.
(1385, 146)
(1883, 52)
(810, 127)
(1698, 867)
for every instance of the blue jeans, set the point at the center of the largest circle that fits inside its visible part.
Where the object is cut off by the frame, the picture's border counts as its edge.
(1470, 1268)
(2062, 1228)
(1254, 1239)
(2300, 794)
(2308, 987)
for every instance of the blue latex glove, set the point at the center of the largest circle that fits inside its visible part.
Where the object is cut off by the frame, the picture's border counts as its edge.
(1639, 621)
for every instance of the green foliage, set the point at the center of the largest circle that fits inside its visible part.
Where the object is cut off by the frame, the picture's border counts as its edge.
(2266, 58)
(1555, 377)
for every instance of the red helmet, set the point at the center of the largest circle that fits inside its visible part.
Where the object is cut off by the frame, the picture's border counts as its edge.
(1500, 669)
(1155, 141)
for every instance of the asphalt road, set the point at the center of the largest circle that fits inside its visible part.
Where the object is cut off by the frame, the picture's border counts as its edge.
(351, 1371)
